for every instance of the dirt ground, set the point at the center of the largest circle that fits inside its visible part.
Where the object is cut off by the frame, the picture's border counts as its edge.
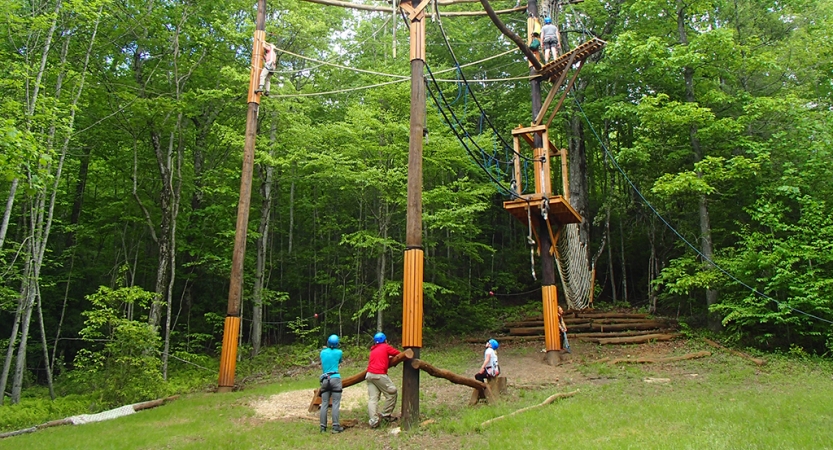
(522, 363)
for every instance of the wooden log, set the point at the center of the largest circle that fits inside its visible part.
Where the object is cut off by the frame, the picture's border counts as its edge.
(524, 323)
(54, 423)
(479, 387)
(636, 339)
(549, 400)
(702, 354)
(315, 404)
(448, 375)
(534, 331)
(623, 321)
(629, 326)
(612, 315)
(154, 403)
(526, 331)
(503, 339)
(714, 344)
(612, 334)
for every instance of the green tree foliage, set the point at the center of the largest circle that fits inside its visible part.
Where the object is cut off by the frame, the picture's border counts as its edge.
(154, 155)
(123, 362)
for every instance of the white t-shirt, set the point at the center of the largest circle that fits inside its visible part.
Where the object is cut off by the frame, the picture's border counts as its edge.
(491, 366)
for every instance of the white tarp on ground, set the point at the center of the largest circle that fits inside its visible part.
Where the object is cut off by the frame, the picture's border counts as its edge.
(102, 416)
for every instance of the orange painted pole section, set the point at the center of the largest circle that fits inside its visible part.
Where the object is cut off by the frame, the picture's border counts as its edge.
(412, 311)
(552, 337)
(228, 359)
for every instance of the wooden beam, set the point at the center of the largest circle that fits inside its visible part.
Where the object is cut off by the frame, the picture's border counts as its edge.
(702, 354)
(552, 93)
(566, 91)
(636, 339)
(389, 9)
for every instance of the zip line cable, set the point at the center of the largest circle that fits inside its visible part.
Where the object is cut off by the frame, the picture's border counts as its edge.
(465, 81)
(462, 141)
(674, 230)
(349, 50)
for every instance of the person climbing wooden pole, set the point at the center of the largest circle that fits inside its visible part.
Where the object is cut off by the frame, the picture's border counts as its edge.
(231, 327)
(414, 258)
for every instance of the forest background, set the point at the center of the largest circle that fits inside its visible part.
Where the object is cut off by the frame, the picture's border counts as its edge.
(121, 135)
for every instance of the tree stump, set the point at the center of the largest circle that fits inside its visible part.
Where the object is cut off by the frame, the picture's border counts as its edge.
(555, 357)
(495, 387)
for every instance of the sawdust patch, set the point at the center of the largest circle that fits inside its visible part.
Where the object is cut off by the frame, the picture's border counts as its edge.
(295, 404)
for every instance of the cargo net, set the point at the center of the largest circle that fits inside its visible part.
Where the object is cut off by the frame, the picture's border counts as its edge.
(571, 259)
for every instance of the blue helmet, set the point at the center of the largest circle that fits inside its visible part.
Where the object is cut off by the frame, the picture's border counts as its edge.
(379, 337)
(547, 20)
(332, 341)
(493, 343)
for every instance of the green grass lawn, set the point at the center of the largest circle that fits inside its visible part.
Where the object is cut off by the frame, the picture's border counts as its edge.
(720, 402)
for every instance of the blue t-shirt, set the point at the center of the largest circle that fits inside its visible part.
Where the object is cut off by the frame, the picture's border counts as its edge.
(330, 359)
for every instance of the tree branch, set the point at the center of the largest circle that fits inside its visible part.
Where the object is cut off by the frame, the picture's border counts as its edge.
(511, 35)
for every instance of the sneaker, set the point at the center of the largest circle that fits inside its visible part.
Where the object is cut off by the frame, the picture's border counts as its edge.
(374, 424)
(323, 429)
(337, 429)
(390, 418)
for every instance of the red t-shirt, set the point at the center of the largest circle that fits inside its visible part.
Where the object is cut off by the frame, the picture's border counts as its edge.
(380, 358)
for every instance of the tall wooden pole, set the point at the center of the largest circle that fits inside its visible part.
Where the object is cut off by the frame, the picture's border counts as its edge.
(549, 292)
(231, 328)
(413, 274)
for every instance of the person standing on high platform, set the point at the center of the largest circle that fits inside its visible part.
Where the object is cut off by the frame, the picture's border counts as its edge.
(549, 36)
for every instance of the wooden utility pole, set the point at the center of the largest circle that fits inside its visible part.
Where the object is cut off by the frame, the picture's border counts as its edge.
(549, 292)
(231, 328)
(413, 274)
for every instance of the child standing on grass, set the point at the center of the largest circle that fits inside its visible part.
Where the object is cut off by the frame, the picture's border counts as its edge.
(330, 383)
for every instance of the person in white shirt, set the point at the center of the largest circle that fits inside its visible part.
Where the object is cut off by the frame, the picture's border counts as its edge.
(489, 368)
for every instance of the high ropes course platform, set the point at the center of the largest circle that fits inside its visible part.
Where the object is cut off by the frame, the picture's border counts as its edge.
(551, 212)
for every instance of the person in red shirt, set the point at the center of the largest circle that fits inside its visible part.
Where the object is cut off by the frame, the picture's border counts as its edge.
(378, 381)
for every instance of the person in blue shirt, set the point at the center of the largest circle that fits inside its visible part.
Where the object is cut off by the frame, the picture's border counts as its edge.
(330, 383)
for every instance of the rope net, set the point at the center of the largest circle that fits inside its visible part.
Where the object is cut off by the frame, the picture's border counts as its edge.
(570, 257)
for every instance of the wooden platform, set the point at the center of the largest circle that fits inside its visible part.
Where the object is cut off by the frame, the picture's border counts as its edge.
(560, 211)
(552, 70)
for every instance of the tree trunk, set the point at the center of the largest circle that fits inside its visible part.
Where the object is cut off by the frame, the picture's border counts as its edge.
(4, 227)
(30, 111)
(706, 246)
(164, 241)
(28, 301)
(380, 267)
(291, 208)
(7, 363)
(624, 273)
(610, 256)
(266, 172)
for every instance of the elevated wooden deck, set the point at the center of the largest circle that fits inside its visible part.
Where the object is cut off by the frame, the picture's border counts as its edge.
(552, 70)
(560, 211)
